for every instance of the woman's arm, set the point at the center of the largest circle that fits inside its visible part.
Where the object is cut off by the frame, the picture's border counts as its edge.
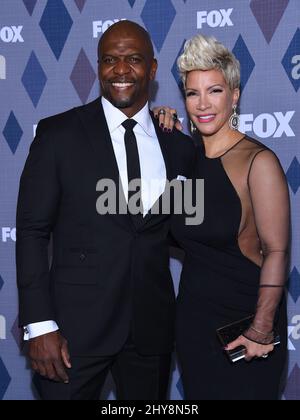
(270, 201)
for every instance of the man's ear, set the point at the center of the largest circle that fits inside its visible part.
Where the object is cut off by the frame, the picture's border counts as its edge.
(154, 66)
(98, 67)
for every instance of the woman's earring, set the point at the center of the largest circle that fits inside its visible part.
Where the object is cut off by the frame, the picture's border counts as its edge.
(234, 120)
(193, 127)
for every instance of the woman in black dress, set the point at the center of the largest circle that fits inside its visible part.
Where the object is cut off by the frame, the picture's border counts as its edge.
(236, 260)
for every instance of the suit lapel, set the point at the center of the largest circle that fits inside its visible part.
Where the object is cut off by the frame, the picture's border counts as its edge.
(94, 122)
(163, 142)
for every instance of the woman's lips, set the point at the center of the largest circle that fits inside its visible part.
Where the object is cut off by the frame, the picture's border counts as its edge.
(206, 118)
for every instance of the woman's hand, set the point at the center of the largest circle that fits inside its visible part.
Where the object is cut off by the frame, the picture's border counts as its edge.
(167, 118)
(252, 349)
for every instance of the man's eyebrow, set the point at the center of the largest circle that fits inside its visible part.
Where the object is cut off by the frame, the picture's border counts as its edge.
(114, 55)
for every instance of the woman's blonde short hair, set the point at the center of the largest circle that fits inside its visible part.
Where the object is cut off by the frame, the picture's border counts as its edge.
(206, 53)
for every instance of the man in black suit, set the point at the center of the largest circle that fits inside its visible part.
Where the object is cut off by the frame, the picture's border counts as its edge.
(107, 301)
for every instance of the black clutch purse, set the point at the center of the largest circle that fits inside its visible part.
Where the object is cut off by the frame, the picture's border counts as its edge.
(231, 332)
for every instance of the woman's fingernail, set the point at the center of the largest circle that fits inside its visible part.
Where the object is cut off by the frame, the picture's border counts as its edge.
(169, 131)
(161, 125)
(165, 129)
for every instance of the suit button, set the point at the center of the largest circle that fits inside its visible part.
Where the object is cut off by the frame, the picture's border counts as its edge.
(82, 257)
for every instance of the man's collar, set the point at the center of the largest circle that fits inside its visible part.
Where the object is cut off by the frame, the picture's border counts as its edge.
(115, 117)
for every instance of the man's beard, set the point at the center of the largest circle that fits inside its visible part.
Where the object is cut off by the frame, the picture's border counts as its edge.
(122, 103)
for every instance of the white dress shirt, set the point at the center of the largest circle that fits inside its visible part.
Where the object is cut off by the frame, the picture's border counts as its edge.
(153, 173)
(153, 170)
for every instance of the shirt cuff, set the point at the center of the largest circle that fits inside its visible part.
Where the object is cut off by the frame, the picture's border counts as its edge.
(39, 328)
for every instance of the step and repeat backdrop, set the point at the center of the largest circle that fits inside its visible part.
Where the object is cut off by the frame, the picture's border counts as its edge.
(48, 63)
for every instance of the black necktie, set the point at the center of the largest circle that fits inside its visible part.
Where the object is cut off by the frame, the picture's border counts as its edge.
(133, 164)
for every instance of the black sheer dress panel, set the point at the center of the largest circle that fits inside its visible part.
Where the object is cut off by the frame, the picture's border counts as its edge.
(235, 265)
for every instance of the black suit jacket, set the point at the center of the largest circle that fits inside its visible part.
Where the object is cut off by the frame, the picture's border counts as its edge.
(106, 277)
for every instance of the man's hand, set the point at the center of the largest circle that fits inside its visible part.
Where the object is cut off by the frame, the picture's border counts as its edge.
(49, 356)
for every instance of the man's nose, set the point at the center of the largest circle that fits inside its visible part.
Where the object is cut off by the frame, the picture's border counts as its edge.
(122, 67)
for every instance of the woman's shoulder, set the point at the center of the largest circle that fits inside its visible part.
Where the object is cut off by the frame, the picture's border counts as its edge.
(252, 145)
(254, 156)
(253, 149)
(263, 160)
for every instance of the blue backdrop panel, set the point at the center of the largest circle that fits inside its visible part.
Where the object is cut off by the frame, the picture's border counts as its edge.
(48, 64)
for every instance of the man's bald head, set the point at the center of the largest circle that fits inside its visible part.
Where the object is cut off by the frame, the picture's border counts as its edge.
(127, 28)
(126, 66)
